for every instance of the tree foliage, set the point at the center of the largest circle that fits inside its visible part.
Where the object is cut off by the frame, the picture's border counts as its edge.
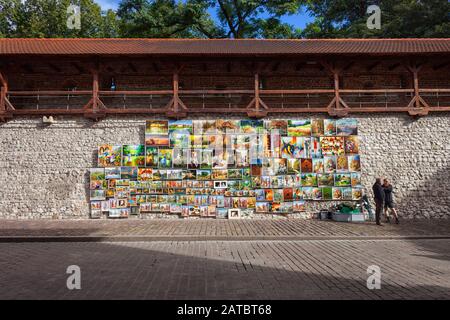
(48, 18)
(399, 19)
(225, 19)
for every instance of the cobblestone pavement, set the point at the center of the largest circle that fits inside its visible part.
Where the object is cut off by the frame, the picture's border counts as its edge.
(221, 229)
(309, 269)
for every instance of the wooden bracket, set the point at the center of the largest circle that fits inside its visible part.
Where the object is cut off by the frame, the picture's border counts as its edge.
(95, 109)
(417, 106)
(175, 104)
(254, 107)
(337, 107)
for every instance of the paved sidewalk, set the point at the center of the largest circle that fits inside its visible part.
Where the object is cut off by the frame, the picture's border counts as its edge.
(287, 229)
(310, 269)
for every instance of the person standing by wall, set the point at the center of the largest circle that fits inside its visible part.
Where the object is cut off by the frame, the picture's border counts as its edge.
(379, 196)
(389, 201)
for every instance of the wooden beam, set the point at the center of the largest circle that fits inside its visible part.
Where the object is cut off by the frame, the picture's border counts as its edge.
(79, 68)
(373, 65)
(441, 65)
(348, 66)
(394, 66)
(54, 67)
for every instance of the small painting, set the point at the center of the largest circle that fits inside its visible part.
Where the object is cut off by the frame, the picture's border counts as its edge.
(112, 173)
(165, 158)
(351, 145)
(234, 213)
(329, 127)
(342, 180)
(299, 206)
(318, 165)
(356, 179)
(277, 126)
(317, 127)
(332, 146)
(180, 127)
(354, 163)
(325, 179)
(346, 127)
(299, 128)
(309, 179)
(337, 193)
(109, 156)
(133, 155)
(97, 174)
(327, 193)
(341, 164)
(306, 165)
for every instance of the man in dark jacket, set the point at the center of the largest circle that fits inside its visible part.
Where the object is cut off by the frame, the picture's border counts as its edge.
(379, 195)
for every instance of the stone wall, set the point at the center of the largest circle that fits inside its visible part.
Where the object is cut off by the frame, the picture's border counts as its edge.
(44, 170)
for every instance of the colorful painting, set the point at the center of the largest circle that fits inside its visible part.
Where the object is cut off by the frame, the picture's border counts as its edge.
(157, 127)
(178, 126)
(341, 164)
(306, 165)
(329, 164)
(97, 174)
(332, 146)
(112, 173)
(309, 179)
(351, 145)
(133, 155)
(346, 127)
(277, 126)
(354, 163)
(342, 180)
(317, 127)
(203, 168)
(318, 165)
(299, 128)
(325, 179)
(109, 156)
(329, 127)
(327, 193)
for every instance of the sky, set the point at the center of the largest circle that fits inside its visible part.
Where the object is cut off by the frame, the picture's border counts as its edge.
(298, 21)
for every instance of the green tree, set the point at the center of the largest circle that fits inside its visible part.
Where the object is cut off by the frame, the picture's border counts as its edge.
(399, 19)
(192, 18)
(48, 18)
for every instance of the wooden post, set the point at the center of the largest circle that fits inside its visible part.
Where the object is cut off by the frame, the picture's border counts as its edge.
(175, 104)
(5, 105)
(336, 88)
(95, 88)
(417, 106)
(416, 86)
(257, 99)
(176, 89)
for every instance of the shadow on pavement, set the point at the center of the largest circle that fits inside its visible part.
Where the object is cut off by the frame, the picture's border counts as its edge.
(201, 270)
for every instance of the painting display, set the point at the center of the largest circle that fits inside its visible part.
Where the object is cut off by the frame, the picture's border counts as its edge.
(228, 168)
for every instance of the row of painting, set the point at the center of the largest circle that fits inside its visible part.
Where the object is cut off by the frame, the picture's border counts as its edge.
(266, 201)
(205, 167)
(242, 155)
(100, 179)
(292, 128)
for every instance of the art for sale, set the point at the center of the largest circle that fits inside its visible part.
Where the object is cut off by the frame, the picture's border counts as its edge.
(228, 168)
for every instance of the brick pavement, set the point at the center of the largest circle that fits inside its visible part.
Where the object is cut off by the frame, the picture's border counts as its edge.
(220, 229)
(309, 269)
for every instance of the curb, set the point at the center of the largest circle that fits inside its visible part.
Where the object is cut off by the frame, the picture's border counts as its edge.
(24, 239)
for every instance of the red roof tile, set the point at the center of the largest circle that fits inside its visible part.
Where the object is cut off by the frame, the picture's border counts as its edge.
(222, 47)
